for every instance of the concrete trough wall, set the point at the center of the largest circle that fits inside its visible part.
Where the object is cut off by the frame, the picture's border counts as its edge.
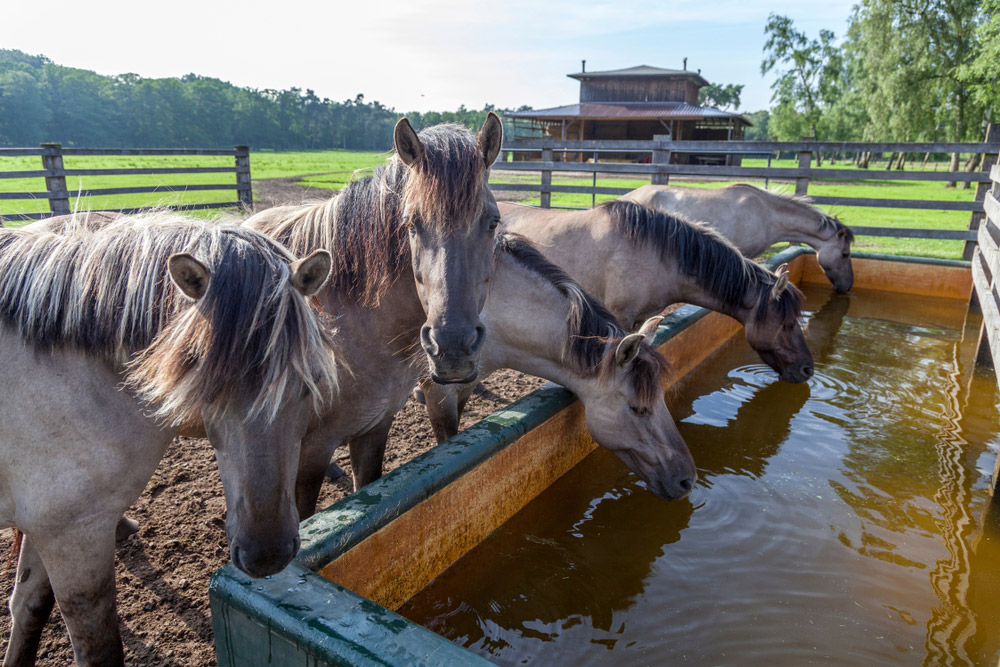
(386, 542)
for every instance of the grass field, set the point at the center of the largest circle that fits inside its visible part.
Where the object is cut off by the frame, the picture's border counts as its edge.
(330, 170)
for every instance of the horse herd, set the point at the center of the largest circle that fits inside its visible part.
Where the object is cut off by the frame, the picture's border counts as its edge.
(120, 332)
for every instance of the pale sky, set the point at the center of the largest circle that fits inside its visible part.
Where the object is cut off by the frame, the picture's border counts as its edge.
(413, 55)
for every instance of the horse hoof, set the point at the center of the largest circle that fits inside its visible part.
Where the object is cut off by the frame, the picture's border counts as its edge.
(125, 529)
(334, 472)
(418, 396)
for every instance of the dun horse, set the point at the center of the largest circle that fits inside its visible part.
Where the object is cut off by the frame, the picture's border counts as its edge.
(428, 213)
(755, 219)
(638, 261)
(541, 322)
(115, 339)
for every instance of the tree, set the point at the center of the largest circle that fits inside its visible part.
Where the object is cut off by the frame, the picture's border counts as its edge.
(911, 57)
(810, 76)
(980, 73)
(721, 96)
(760, 120)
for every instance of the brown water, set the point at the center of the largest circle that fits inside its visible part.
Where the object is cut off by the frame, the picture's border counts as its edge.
(843, 522)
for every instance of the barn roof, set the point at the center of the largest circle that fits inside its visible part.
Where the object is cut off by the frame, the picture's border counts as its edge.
(643, 71)
(619, 110)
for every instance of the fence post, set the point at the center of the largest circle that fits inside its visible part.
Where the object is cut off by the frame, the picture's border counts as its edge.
(546, 197)
(802, 184)
(55, 179)
(992, 137)
(244, 186)
(660, 156)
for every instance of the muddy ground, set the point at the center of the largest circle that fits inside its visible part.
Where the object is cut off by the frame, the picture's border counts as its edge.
(163, 571)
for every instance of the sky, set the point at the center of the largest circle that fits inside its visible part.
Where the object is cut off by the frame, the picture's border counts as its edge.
(414, 55)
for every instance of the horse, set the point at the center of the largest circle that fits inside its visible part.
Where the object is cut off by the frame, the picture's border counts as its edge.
(755, 219)
(114, 340)
(541, 322)
(427, 212)
(637, 261)
(380, 339)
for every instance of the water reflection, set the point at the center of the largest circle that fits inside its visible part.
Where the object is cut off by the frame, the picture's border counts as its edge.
(846, 521)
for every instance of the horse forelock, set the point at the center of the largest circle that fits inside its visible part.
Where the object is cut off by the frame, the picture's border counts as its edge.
(108, 293)
(448, 188)
(694, 248)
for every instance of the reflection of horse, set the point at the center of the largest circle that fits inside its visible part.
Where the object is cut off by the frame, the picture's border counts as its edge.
(114, 339)
(428, 214)
(561, 575)
(542, 323)
(755, 219)
(638, 261)
(761, 422)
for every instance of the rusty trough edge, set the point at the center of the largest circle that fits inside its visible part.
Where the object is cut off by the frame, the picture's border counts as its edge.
(300, 617)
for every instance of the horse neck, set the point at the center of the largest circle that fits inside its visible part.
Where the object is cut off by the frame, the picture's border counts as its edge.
(797, 223)
(526, 320)
(682, 288)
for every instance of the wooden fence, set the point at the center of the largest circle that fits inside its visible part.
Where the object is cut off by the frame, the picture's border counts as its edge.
(58, 196)
(660, 168)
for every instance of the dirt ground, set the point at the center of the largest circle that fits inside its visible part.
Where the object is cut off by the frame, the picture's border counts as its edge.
(163, 571)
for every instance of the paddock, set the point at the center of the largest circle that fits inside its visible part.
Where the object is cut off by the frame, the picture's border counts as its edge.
(366, 556)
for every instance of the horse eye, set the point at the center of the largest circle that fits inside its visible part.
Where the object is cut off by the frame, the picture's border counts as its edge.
(493, 225)
(845, 254)
(639, 412)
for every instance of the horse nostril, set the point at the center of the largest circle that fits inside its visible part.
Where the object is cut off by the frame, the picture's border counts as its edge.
(428, 341)
(807, 371)
(477, 341)
(236, 556)
(686, 485)
(296, 542)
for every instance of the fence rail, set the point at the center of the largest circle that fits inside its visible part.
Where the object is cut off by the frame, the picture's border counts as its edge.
(58, 195)
(660, 168)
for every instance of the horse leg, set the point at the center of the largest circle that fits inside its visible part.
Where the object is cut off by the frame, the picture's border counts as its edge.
(368, 452)
(81, 568)
(30, 606)
(317, 449)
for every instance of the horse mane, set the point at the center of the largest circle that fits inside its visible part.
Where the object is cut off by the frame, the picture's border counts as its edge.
(826, 222)
(702, 253)
(594, 333)
(364, 227)
(106, 292)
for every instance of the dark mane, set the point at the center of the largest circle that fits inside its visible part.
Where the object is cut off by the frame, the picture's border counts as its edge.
(594, 333)
(107, 293)
(702, 253)
(363, 226)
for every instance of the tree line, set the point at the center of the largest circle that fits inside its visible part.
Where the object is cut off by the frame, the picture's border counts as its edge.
(905, 70)
(42, 101)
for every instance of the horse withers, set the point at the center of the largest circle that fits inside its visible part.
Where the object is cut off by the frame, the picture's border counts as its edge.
(125, 334)
(754, 219)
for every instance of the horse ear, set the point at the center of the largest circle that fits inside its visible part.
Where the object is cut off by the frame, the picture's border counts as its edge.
(648, 328)
(490, 138)
(190, 275)
(781, 283)
(408, 146)
(628, 349)
(310, 273)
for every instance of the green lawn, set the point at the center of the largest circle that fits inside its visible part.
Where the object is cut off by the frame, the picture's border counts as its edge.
(850, 215)
(336, 166)
(330, 170)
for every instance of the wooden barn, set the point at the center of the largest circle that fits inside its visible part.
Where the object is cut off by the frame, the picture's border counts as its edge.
(635, 103)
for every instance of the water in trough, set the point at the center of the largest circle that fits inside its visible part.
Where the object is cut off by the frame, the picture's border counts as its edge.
(845, 522)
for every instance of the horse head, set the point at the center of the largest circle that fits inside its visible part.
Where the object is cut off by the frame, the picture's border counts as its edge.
(451, 217)
(260, 357)
(834, 257)
(773, 329)
(626, 414)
